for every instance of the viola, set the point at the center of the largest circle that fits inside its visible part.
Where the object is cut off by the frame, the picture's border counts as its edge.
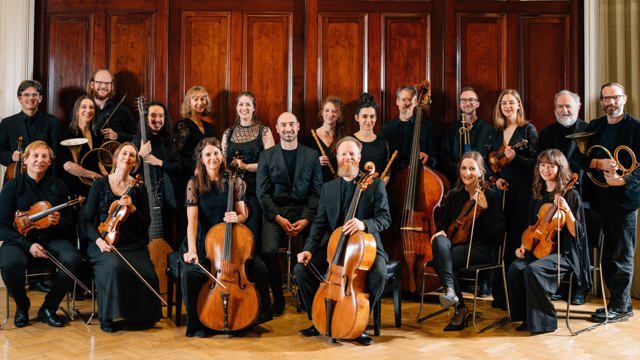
(497, 159)
(421, 190)
(109, 229)
(540, 238)
(340, 307)
(18, 167)
(229, 301)
(459, 231)
(37, 217)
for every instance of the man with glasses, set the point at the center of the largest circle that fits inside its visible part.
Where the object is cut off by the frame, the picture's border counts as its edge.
(455, 142)
(30, 124)
(122, 127)
(615, 197)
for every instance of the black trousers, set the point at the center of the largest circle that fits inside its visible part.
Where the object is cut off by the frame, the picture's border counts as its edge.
(308, 283)
(14, 261)
(192, 279)
(618, 251)
(531, 283)
(272, 236)
(447, 258)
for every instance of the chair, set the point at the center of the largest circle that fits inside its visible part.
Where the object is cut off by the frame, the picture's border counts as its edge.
(393, 281)
(595, 236)
(463, 274)
(174, 269)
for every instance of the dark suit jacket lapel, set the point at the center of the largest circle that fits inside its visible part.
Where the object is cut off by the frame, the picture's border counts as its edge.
(333, 208)
(300, 160)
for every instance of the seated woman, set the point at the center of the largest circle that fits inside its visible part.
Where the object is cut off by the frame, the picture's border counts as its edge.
(532, 281)
(488, 230)
(206, 202)
(121, 295)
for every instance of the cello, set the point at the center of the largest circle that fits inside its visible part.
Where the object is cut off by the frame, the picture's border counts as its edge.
(158, 247)
(421, 190)
(229, 301)
(341, 296)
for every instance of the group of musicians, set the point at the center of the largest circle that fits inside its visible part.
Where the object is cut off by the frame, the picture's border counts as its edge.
(305, 188)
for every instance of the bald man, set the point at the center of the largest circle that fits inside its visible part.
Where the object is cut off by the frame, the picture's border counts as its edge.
(289, 179)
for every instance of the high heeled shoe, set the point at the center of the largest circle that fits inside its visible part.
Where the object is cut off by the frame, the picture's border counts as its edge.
(460, 319)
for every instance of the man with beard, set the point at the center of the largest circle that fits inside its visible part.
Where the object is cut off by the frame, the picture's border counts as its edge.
(372, 216)
(567, 106)
(452, 150)
(122, 127)
(289, 179)
(30, 123)
(399, 132)
(618, 200)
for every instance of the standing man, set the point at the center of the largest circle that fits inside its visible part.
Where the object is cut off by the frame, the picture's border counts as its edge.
(289, 179)
(616, 198)
(371, 216)
(102, 88)
(20, 249)
(399, 132)
(30, 123)
(455, 141)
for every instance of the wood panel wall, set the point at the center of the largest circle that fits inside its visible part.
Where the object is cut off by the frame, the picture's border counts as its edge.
(292, 53)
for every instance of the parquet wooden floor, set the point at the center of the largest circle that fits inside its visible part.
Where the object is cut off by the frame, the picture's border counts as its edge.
(278, 339)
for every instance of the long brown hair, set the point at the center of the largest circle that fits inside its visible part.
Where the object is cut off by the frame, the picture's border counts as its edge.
(553, 157)
(499, 121)
(474, 155)
(203, 183)
(340, 131)
(254, 116)
(75, 119)
(117, 152)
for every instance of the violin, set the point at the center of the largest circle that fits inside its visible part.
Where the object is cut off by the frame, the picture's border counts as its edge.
(497, 159)
(37, 217)
(16, 168)
(540, 239)
(229, 301)
(459, 231)
(109, 229)
(340, 307)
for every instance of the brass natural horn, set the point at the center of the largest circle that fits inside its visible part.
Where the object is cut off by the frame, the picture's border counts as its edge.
(581, 139)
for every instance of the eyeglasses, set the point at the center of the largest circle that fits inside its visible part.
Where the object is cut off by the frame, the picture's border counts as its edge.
(504, 103)
(30, 95)
(156, 116)
(469, 100)
(102, 83)
(614, 98)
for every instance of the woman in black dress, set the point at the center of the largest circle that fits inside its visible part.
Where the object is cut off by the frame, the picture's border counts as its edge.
(187, 134)
(510, 127)
(206, 203)
(532, 281)
(374, 147)
(487, 232)
(332, 129)
(121, 295)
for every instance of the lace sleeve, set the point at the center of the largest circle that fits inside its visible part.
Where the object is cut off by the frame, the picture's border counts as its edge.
(191, 198)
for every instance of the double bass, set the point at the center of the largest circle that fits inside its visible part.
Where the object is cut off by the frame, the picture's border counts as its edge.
(340, 307)
(229, 301)
(421, 190)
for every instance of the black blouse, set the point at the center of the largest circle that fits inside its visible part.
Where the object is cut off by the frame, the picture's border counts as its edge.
(376, 151)
(187, 136)
(310, 142)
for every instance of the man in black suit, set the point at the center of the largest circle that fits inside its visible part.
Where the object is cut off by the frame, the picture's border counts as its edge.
(372, 216)
(617, 202)
(30, 123)
(289, 179)
(102, 88)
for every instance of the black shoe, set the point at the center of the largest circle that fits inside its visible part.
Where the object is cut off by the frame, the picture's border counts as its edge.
(277, 308)
(364, 339)
(21, 318)
(499, 304)
(556, 297)
(484, 291)
(459, 321)
(523, 327)
(310, 331)
(108, 326)
(49, 317)
(578, 299)
(613, 316)
(39, 286)
(629, 311)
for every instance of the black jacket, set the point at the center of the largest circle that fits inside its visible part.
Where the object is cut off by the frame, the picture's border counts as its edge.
(47, 130)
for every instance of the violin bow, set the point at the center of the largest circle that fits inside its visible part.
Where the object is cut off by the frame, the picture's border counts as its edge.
(114, 111)
(57, 263)
(138, 275)
(209, 274)
(473, 225)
